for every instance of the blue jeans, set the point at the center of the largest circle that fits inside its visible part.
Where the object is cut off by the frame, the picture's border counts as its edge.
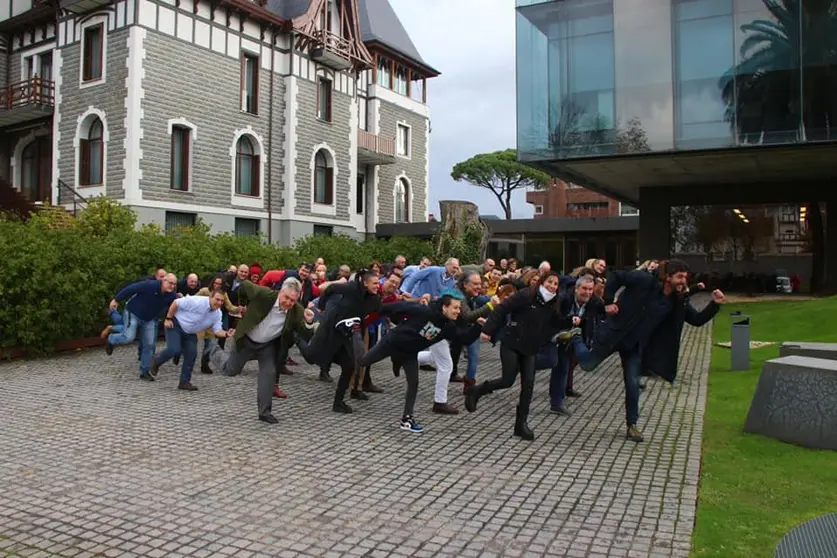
(631, 372)
(178, 342)
(558, 377)
(547, 357)
(147, 331)
(118, 320)
(473, 360)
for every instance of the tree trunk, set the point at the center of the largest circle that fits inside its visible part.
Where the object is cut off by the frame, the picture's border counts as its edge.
(460, 220)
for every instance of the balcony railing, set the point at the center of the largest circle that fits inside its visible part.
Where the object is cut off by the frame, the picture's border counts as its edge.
(333, 43)
(35, 91)
(375, 143)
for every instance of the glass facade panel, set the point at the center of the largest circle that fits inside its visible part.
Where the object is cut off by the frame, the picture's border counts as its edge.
(601, 77)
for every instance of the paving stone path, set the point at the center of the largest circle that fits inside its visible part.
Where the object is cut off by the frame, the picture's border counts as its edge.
(94, 462)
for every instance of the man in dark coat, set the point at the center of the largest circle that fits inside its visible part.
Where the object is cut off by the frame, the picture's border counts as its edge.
(646, 331)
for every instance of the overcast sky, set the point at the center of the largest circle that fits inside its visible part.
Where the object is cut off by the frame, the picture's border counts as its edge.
(472, 104)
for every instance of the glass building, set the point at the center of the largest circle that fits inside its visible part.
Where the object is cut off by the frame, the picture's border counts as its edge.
(601, 78)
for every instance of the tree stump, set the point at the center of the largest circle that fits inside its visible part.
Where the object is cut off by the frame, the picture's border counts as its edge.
(460, 221)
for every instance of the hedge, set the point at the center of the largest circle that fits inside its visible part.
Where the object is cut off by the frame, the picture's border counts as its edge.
(59, 272)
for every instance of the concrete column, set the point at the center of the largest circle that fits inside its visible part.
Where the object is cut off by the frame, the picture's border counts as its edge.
(654, 224)
(830, 285)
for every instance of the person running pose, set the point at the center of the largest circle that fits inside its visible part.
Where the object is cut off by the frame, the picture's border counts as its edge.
(426, 325)
(535, 318)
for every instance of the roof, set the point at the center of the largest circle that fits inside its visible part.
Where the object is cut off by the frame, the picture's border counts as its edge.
(379, 23)
(520, 226)
(288, 9)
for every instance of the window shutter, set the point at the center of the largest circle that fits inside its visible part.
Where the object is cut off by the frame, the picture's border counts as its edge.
(186, 156)
(84, 162)
(254, 188)
(243, 83)
(329, 193)
(328, 101)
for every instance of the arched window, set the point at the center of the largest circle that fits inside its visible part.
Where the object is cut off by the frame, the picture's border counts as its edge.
(246, 168)
(323, 178)
(402, 201)
(92, 154)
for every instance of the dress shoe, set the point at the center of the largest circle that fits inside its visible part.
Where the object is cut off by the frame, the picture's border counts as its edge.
(187, 387)
(359, 395)
(153, 368)
(109, 349)
(268, 418)
(106, 332)
(561, 410)
(341, 407)
(456, 378)
(445, 409)
(146, 378)
(573, 393)
(325, 376)
(278, 393)
(372, 388)
(205, 368)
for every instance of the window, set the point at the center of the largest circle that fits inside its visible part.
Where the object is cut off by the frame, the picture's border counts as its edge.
(323, 230)
(538, 210)
(363, 113)
(383, 73)
(402, 201)
(323, 179)
(180, 157)
(625, 210)
(361, 186)
(249, 83)
(176, 220)
(400, 84)
(30, 67)
(324, 100)
(246, 227)
(46, 67)
(92, 52)
(92, 155)
(403, 140)
(246, 168)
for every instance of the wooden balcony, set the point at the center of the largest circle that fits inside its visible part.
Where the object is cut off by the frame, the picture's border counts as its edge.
(372, 149)
(332, 50)
(27, 100)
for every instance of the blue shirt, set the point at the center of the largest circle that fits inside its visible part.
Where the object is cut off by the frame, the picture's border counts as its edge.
(430, 280)
(149, 301)
(194, 314)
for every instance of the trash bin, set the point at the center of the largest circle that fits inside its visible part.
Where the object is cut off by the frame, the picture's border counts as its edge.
(740, 341)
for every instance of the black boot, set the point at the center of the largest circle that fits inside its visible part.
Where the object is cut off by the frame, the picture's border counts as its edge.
(205, 369)
(521, 428)
(473, 394)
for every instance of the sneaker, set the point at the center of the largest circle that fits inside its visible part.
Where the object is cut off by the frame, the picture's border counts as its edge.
(566, 335)
(409, 424)
(634, 434)
(187, 387)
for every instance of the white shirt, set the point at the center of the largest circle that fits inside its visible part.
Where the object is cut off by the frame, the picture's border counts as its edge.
(194, 314)
(270, 327)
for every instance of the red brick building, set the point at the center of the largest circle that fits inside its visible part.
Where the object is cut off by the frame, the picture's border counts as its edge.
(564, 200)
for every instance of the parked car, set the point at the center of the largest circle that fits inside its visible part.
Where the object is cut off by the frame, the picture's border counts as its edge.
(783, 285)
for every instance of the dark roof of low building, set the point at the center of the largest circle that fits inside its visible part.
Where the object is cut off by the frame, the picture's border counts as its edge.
(520, 226)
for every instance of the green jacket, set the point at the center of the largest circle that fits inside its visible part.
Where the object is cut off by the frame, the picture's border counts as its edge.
(260, 301)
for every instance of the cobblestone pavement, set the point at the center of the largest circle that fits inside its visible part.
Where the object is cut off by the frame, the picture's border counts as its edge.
(97, 463)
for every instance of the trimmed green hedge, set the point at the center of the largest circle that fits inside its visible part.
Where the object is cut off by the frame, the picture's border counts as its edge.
(59, 272)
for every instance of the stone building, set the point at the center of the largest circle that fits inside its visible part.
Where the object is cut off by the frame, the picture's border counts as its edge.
(280, 117)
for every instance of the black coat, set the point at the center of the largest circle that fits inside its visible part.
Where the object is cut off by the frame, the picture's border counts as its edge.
(594, 313)
(426, 326)
(533, 321)
(661, 349)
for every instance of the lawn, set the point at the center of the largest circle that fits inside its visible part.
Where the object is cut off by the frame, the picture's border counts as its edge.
(754, 489)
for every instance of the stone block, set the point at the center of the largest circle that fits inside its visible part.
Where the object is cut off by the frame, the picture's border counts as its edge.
(796, 401)
(814, 350)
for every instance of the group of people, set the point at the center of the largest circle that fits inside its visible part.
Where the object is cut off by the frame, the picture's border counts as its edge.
(416, 316)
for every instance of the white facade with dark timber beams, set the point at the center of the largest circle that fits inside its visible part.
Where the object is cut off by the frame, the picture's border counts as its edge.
(280, 117)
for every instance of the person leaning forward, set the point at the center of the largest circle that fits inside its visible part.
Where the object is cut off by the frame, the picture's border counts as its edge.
(265, 333)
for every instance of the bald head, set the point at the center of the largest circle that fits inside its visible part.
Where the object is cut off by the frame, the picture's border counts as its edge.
(192, 280)
(169, 282)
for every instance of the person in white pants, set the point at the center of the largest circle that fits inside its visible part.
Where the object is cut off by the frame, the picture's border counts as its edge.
(439, 356)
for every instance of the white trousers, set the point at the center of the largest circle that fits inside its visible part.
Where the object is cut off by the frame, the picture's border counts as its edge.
(439, 356)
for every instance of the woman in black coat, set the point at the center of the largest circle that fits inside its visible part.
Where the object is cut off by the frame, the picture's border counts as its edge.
(535, 318)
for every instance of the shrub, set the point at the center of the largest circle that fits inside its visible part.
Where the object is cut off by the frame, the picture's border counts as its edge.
(59, 272)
